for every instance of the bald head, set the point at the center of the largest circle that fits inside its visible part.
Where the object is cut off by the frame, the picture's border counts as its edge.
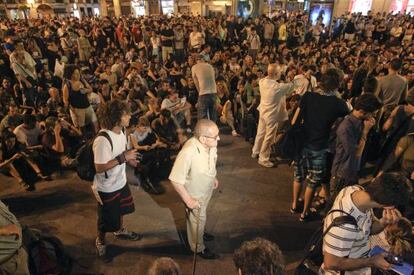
(272, 70)
(204, 127)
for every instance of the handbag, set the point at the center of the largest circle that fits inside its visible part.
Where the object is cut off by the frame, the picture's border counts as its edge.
(292, 141)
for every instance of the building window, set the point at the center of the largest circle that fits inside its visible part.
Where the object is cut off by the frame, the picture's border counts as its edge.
(167, 6)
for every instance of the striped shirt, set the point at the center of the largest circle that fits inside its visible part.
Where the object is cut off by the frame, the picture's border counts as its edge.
(346, 240)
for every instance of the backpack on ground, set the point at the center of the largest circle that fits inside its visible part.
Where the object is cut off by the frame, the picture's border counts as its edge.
(313, 259)
(85, 160)
(47, 255)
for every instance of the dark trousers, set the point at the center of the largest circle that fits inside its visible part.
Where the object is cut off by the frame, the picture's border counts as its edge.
(206, 107)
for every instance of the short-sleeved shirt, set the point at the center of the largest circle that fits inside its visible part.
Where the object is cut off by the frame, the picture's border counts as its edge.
(205, 75)
(28, 137)
(195, 168)
(319, 114)
(114, 179)
(347, 240)
(9, 245)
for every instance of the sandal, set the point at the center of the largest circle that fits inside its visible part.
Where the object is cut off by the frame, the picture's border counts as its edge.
(295, 210)
(308, 216)
(45, 178)
(319, 203)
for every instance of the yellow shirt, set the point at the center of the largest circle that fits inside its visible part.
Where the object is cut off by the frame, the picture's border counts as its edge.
(195, 168)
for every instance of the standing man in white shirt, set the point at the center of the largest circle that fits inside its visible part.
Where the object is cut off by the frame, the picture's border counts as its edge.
(272, 110)
(205, 82)
(109, 185)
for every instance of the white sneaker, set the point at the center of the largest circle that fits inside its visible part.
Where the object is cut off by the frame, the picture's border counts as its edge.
(267, 164)
(255, 156)
(101, 251)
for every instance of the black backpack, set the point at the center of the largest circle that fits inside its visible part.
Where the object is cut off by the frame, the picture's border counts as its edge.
(47, 256)
(85, 159)
(314, 256)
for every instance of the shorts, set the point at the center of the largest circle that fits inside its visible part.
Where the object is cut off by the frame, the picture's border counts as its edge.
(311, 167)
(82, 117)
(115, 205)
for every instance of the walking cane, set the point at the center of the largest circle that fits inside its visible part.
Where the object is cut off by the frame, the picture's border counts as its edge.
(196, 235)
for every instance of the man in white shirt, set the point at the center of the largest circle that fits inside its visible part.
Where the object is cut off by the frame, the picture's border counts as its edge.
(109, 185)
(29, 132)
(205, 81)
(306, 81)
(272, 110)
(179, 108)
(346, 247)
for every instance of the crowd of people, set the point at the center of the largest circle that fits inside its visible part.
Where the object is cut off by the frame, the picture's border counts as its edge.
(347, 87)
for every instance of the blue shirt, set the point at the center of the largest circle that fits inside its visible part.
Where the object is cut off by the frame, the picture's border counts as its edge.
(346, 163)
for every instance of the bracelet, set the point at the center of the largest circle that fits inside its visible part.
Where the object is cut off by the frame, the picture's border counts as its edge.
(364, 138)
(120, 158)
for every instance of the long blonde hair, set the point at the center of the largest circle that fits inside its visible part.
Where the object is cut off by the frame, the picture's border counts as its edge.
(399, 237)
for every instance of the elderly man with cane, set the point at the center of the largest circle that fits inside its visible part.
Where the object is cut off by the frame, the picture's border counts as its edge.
(194, 178)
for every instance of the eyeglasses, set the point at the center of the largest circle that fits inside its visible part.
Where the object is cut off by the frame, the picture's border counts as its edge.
(215, 138)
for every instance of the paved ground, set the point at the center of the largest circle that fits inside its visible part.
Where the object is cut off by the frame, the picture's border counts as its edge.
(252, 201)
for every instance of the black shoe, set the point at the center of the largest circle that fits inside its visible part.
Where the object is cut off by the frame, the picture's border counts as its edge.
(207, 254)
(208, 237)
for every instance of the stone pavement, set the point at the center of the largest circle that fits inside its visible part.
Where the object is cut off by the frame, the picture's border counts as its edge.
(252, 201)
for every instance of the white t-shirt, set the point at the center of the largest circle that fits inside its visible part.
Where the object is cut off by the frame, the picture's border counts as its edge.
(102, 154)
(196, 39)
(346, 240)
(28, 137)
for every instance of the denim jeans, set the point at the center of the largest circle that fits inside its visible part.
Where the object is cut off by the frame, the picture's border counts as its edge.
(206, 107)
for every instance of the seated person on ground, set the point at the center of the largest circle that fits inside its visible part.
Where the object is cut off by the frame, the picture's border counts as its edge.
(153, 152)
(17, 163)
(166, 130)
(28, 133)
(179, 108)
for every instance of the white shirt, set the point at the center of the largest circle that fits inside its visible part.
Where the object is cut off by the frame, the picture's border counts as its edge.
(303, 84)
(346, 240)
(272, 99)
(28, 137)
(102, 154)
(196, 39)
(203, 73)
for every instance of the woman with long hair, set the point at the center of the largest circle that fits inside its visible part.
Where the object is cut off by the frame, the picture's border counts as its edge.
(75, 98)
